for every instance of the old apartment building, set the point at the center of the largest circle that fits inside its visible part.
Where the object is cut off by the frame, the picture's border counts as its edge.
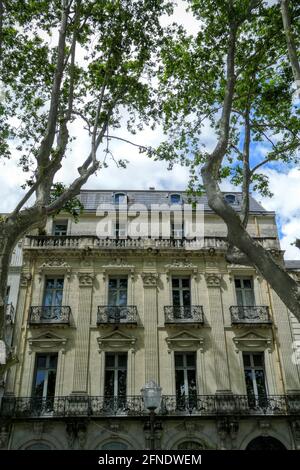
(99, 316)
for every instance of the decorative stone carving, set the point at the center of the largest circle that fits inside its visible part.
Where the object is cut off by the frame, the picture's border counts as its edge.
(118, 266)
(185, 340)
(85, 279)
(264, 427)
(4, 434)
(181, 267)
(150, 279)
(47, 342)
(117, 340)
(55, 265)
(25, 279)
(213, 279)
(253, 342)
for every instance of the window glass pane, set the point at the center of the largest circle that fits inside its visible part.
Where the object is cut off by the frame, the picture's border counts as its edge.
(190, 360)
(39, 383)
(186, 298)
(258, 359)
(112, 283)
(41, 361)
(185, 283)
(122, 298)
(260, 382)
(247, 284)
(239, 297)
(59, 283)
(176, 297)
(179, 376)
(175, 198)
(191, 374)
(109, 360)
(178, 360)
(57, 298)
(122, 376)
(109, 383)
(175, 282)
(53, 361)
(51, 383)
(123, 283)
(246, 358)
(122, 360)
(112, 297)
(249, 382)
(237, 283)
(249, 297)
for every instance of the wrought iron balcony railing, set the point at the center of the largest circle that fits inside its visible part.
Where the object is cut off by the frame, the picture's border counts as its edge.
(9, 313)
(117, 314)
(250, 314)
(199, 405)
(43, 314)
(183, 314)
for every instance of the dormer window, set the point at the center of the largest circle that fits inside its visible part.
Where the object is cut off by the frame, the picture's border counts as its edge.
(175, 198)
(120, 198)
(60, 228)
(230, 199)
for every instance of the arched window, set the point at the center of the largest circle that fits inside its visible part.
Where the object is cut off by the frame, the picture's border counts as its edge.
(230, 198)
(114, 445)
(190, 445)
(175, 198)
(38, 446)
(120, 198)
(265, 443)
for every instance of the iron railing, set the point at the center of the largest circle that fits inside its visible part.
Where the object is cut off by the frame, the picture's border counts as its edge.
(250, 314)
(184, 314)
(43, 314)
(117, 314)
(200, 405)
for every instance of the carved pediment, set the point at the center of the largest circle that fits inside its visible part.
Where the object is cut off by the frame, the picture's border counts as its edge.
(116, 340)
(185, 340)
(118, 266)
(47, 341)
(184, 267)
(253, 342)
(55, 266)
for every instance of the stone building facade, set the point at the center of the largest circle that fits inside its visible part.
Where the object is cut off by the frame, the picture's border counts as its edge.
(99, 316)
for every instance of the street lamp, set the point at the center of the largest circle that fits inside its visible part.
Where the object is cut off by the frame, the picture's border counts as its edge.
(151, 394)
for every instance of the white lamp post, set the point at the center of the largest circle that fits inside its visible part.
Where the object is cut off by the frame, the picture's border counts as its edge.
(151, 394)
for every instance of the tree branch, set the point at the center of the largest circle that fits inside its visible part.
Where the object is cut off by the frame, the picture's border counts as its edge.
(291, 45)
(246, 171)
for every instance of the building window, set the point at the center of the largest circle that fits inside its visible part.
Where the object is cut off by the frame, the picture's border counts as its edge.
(45, 377)
(115, 386)
(230, 199)
(185, 378)
(120, 230)
(244, 292)
(181, 292)
(7, 295)
(117, 291)
(175, 198)
(60, 228)
(120, 198)
(255, 379)
(177, 230)
(53, 292)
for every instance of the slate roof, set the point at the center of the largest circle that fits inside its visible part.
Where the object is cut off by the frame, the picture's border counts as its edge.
(92, 198)
(292, 264)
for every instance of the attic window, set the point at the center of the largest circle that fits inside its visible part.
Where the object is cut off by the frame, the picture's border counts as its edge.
(230, 199)
(120, 198)
(175, 198)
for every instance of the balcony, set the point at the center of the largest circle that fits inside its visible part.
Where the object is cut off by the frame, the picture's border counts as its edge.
(44, 315)
(250, 315)
(198, 405)
(184, 314)
(113, 314)
(71, 242)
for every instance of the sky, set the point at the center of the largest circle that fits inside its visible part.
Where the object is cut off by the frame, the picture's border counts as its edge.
(142, 173)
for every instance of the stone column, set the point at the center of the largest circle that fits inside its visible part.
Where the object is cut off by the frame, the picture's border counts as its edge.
(150, 280)
(213, 281)
(81, 365)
